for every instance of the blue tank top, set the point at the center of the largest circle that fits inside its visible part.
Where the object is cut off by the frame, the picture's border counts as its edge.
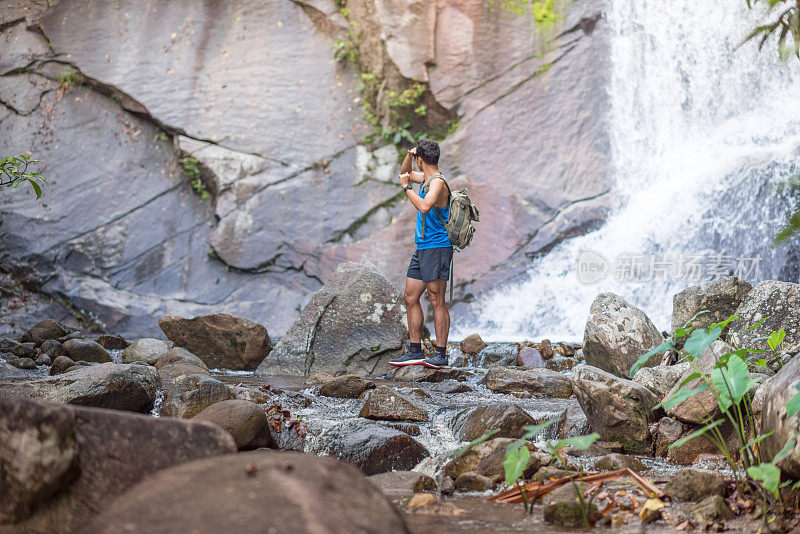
(435, 234)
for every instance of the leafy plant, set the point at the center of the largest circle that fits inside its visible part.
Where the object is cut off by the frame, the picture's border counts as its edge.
(191, 168)
(786, 24)
(15, 170)
(69, 78)
(545, 13)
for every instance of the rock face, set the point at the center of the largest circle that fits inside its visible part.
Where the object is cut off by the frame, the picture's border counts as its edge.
(617, 333)
(376, 449)
(777, 393)
(354, 324)
(721, 297)
(61, 463)
(241, 419)
(106, 385)
(221, 340)
(188, 498)
(619, 410)
(386, 404)
(779, 303)
(533, 381)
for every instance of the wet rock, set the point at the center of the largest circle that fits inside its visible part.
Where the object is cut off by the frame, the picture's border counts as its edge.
(52, 348)
(24, 350)
(661, 378)
(106, 385)
(689, 452)
(470, 481)
(318, 379)
(386, 404)
(111, 342)
(549, 472)
(7, 344)
(782, 387)
(697, 408)
(721, 297)
(534, 381)
(561, 363)
(419, 373)
(44, 330)
(376, 449)
(189, 395)
(497, 354)
(614, 461)
(23, 363)
(450, 387)
(403, 481)
(147, 350)
(346, 387)
(253, 395)
(221, 340)
(447, 486)
(669, 431)
(43, 359)
(567, 513)
(472, 344)
(9, 371)
(176, 362)
(509, 419)
(530, 357)
(776, 302)
(546, 349)
(86, 350)
(617, 333)
(408, 428)
(711, 509)
(60, 365)
(353, 324)
(617, 409)
(487, 459)
(241, 419)
(419, 393)
(694, 485)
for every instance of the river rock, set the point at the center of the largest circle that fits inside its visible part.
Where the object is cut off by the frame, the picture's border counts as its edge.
(561, 363)
(43, 359)
(23, 363)
(661, 378)
(403, 481)
(711, 509)
(374, 449)
(188, 499)
(24, 350)
(617, 333)
(566, 513)
(250, 394)
(694, 485)
(615, 460)
(60, 365)
(106, 385)
(221, 340)
(497, 354)
(176, 362)
(52, 348)
(697, 408)
(353, 324)
(346, 387)
(189, 395)
(9, 371)
(86, 350)
(509, 419)
(470, 481)
(667, 432)
(534, 381)
(487, 459)
(779, 303)
(241, 419)
(449, 387)
(549, 472)
(318, 379)
(44, 330)
(60, 465)
(619, 410)
(386, 404)
(472, 344)
(721, 297)
(420, 373)
(530, 357)
(146, 349)
(109, 342)
(782, 387)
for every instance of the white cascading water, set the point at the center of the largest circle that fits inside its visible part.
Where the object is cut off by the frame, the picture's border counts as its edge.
(701, 133)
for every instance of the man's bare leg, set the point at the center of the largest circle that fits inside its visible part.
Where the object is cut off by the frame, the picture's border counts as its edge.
(441, 315)
(412, 294)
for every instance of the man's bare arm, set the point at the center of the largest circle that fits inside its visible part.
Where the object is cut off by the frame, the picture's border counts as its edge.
(413, 176)
(424, 205)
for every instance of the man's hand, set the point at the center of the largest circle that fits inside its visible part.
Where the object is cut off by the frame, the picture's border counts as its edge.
(404, 178)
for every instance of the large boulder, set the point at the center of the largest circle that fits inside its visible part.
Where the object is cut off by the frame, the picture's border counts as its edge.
(720, 297)
(178, 361)
(375, 448)
(778, 305)
(241, 419)
(532, 381)
(191, 394)
(86, 350)
(509, 419)
(387, 404)
(147, 349)
(106, 385)
(616, 334)
(661, 378)
(221, 340)
(619, 410)
(777, 392)
(252, 493)
(701, 406)
(60, 465)
(354, 324)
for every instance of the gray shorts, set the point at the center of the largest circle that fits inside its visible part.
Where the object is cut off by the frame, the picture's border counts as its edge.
(430, 264)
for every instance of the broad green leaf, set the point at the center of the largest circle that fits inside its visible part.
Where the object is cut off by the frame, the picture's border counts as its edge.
(690, 378)
(531, 431)
(768, 474)
(667, 345)
(787, 448)
(515, 463)
(475, 442)
(731, 383)
(578, 442)
(722, 324)
(776, 338)
(793, 405)
(700, 340)
(680, 396)
(36, 189)
(696, 433)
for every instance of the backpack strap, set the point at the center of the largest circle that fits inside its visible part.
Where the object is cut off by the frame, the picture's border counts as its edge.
(452, 276)
(435, 209)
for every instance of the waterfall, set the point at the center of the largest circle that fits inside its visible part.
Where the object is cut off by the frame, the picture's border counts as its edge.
(701, 133)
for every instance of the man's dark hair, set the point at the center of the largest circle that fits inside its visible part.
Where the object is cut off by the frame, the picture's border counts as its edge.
(428, 150)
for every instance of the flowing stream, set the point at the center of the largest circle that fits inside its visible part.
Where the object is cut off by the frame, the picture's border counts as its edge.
(701, 133)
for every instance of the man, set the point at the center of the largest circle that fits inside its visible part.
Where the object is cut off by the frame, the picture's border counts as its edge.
(429, 269)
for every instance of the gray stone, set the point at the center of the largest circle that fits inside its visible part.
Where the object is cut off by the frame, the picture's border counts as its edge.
(43, 359)
(10, 371)
(509, 419)
(617, 333)
(191, 394)
(403, 481)
(711, 509)
(721, 297)
(87, 351)
(777, 392)
(354, 324)
(533, 381)
(530, 357)
(44, 330)
(24, 350)
(487, 459)
(420, 373)
(374, 449)
(694, 485)
(778, 304)
(497, 354)
(386, 404)
(346, 387)
(52, 348)
(60, 365)
(176, 362)
(24, 363)
(661, 378)
(147, 350)
(561, 363)
(470, 481)
(701, 406)
(615, 460)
